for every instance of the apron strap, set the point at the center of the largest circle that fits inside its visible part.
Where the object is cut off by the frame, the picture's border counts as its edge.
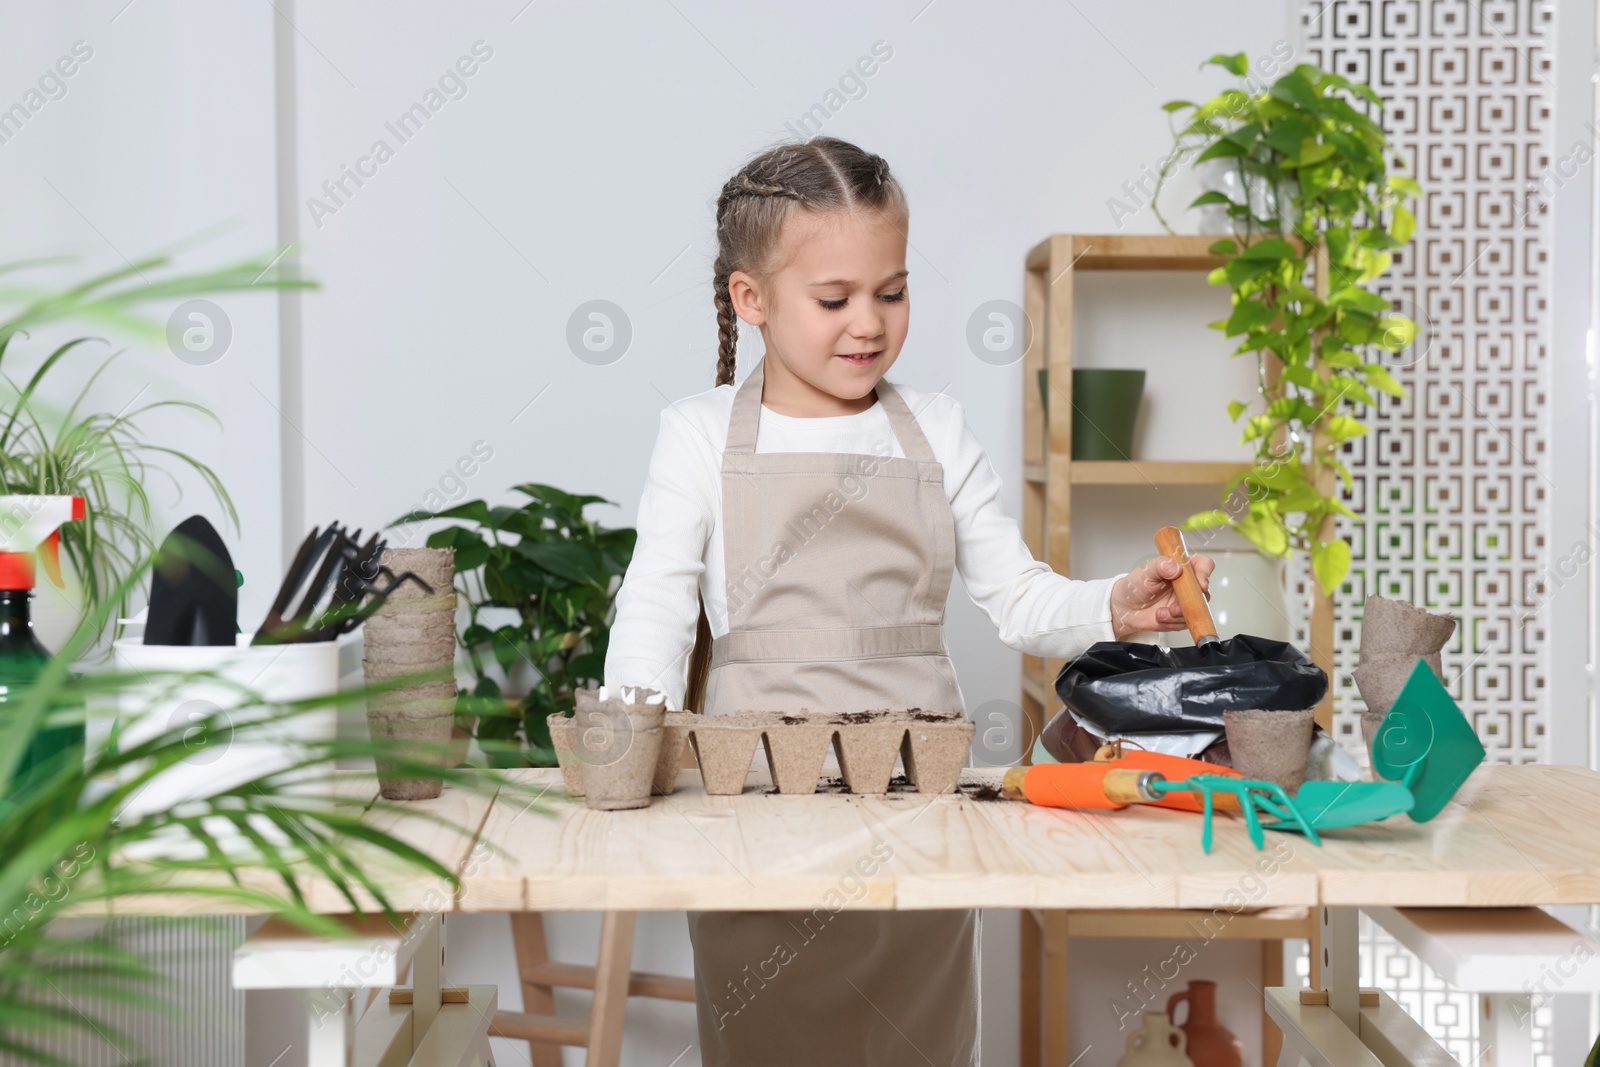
(746, 418)
(904, 424)
(746, 415)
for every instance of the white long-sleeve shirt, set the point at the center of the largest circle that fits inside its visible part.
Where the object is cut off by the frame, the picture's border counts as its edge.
(680, 543)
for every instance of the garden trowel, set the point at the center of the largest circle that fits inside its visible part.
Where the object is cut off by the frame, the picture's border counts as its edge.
(1426, 744)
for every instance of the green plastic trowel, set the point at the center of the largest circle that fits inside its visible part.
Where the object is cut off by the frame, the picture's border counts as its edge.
(1331, 805)
(1426, 744)
(1425, 748)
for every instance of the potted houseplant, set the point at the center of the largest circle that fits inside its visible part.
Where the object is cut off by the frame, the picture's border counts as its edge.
(101, 456)
(538, 580)
(1320, 215)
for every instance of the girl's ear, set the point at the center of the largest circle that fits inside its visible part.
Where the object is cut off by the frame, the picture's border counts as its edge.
(747, 298)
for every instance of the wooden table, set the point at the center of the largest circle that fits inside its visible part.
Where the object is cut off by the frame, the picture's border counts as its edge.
(1514, 836)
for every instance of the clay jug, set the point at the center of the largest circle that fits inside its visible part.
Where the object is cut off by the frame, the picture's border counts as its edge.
(1210, 1043)
(1156, 1044)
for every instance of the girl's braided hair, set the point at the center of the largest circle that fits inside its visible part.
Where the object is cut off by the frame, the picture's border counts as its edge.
(819, 175)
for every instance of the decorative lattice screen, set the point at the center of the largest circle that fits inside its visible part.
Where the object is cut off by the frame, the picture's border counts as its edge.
(1450, 484)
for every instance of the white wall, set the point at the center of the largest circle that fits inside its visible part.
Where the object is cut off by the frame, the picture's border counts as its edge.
(165, 132)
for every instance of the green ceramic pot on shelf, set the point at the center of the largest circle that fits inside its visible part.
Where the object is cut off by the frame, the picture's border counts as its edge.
(1105, 408)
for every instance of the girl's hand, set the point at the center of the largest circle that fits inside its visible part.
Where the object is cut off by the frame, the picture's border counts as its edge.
(1144, 598)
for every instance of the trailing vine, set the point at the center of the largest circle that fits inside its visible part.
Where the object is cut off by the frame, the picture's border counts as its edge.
(1317, 226)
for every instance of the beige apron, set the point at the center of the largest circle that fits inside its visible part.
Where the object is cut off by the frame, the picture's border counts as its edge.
(838, 569)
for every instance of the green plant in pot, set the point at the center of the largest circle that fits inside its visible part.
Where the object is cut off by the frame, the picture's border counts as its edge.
(550, 573)
(102, 456)
(1302, 302)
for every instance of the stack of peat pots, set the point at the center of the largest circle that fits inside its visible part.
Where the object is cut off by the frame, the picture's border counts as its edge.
(413, 635)
(1394, 636)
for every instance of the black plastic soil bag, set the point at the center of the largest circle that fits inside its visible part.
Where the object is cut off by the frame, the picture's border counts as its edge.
(1125, 687)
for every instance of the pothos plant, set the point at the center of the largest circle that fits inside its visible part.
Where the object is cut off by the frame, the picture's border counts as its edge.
(550, 569)
(1320, 217)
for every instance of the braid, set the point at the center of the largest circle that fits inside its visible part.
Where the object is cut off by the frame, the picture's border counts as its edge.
(740, 185)
(748, 186)
(727, 324)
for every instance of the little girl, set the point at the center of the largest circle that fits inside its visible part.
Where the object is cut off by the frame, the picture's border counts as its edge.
(817, 512)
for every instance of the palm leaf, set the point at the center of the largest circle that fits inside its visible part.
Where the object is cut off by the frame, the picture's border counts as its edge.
(321, 836)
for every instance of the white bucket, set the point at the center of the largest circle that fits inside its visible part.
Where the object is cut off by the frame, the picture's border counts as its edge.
(276, 673)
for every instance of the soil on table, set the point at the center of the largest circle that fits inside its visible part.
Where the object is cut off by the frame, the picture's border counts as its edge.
(853, 718)
(901, 785)
(979, 791)
(832, 783)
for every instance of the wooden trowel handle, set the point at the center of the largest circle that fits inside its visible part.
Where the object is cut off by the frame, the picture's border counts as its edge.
(1196, 611)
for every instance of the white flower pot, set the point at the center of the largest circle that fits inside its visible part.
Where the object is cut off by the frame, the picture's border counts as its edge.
(276, 673)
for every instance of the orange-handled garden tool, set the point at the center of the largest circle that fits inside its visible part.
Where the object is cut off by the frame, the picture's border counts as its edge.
(1118, 783)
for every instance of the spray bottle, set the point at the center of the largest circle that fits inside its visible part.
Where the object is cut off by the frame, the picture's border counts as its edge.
(29, 527)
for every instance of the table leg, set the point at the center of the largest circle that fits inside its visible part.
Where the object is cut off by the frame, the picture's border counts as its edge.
(1057, 1050)
(1341, 962)
(612, 972)
(528, 939)
(1271, 975)
(1029, 927)
(426, 974)
(329, 1033)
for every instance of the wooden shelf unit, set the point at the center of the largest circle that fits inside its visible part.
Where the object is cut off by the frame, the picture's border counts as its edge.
(1052, 267)
(1049, 284)
(1141, 252)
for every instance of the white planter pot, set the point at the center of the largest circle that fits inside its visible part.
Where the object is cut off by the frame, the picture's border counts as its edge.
(277, 673)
